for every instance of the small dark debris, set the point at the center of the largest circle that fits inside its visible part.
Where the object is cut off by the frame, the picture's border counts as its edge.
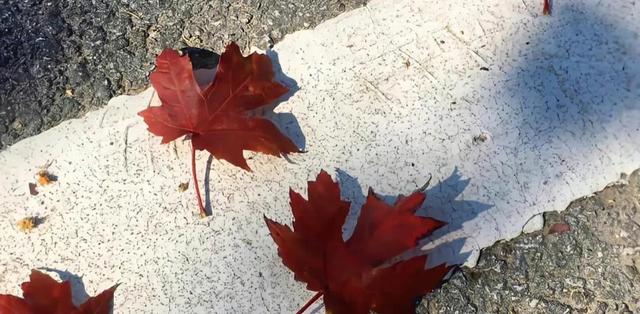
(183, 186)
(201, 58)
(270, 42)
(480, 138)
(246, 18)
(484, 69)
(442, 41)
(33, 188)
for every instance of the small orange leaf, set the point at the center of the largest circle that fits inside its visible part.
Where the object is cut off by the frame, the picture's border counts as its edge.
(45, 177)
(29, 223)
(26, 224)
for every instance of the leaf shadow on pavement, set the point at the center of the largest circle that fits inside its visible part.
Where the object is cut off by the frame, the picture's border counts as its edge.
(576, 88)
(285, 121)
(444, 202)
(78, 291)
(581, 74)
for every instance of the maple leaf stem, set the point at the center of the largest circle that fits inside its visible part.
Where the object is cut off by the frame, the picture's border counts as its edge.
(308, 304)
(203, 213)
(547, 8)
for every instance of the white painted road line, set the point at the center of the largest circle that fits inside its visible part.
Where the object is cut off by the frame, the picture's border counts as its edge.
(512, 112)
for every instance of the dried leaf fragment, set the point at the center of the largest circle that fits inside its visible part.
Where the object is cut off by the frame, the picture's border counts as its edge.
(33, 189)
(45, 177)
(183, 186)
(27, 224)
(559, 228)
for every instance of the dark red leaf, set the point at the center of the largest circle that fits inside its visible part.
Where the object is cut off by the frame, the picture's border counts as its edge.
(43, 295)
(317, 222)
(394, 296)
(100, 304)
(352, 275)
(10, 304)
(217, 116)
(221, 117)
(385, 231)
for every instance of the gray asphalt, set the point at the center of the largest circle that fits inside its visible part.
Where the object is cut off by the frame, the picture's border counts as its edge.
(60, 59)
(591, 266)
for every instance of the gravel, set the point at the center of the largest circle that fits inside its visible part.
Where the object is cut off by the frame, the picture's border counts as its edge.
(61, 59)
(592, 268)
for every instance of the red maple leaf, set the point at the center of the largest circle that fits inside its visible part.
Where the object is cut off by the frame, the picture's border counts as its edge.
(43, 295)
(220, 117)
(355, 276)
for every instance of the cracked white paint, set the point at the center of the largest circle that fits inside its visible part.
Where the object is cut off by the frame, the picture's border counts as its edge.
(389, 94)
(534, 223)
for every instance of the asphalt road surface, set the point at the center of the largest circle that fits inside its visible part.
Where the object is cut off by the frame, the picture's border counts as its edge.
(60, 59)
